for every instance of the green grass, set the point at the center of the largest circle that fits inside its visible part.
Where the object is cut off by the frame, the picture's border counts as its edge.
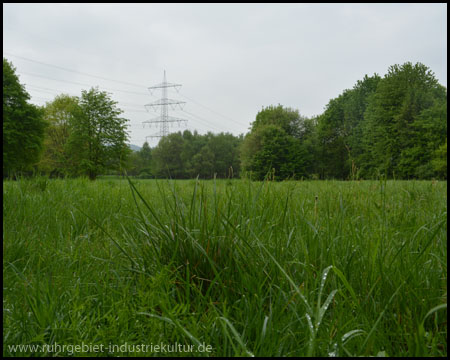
(313, 268)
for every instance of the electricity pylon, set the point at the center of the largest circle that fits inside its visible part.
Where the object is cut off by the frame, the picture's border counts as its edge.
(164, 119)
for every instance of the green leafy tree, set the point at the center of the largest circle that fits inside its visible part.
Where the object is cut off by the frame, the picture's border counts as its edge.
(61, 114)
(167, 160)
(439, 161)
(203, 162)
(354, 109)
(333, 140)
(224, 150)
(139, 163)
(145, 160)
(309, 142)
(99, 136)
(394, 117)
(250, 147)
(133, 165)
(270, 150)
(192, 144)
(188, 155)
(286, 118)
(278, 142)
(340, 130)
(23, 125)
(427, 133)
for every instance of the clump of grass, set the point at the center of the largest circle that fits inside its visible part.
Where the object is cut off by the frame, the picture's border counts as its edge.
(251, 268)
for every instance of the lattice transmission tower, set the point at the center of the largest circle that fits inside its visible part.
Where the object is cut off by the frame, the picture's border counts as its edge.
(164, 119)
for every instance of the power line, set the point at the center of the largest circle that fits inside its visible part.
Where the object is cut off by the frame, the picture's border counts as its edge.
(190, 116)
(206, 122)
(83, 84)
(119, 81)
(43, 91)
(42, 98)
(37, 88)
(193, 117)
(215, 112)
(51, 92)
(74, 71)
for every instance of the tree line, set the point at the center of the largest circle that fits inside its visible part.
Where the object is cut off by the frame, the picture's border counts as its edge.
(70, 136)
(393, 126)
(188, 155)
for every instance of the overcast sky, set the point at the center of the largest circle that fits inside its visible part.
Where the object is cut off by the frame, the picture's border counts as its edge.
(231, 59)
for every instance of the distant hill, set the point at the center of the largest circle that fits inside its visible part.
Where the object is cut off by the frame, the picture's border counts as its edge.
(134, 147)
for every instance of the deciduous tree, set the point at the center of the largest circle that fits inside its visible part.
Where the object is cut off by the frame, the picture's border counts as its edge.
(277, 143)
(407, 100)
(23, 125)
(99, 136)
(61, 114)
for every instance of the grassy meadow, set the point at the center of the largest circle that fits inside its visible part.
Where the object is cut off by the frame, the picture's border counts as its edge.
(295, 268)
